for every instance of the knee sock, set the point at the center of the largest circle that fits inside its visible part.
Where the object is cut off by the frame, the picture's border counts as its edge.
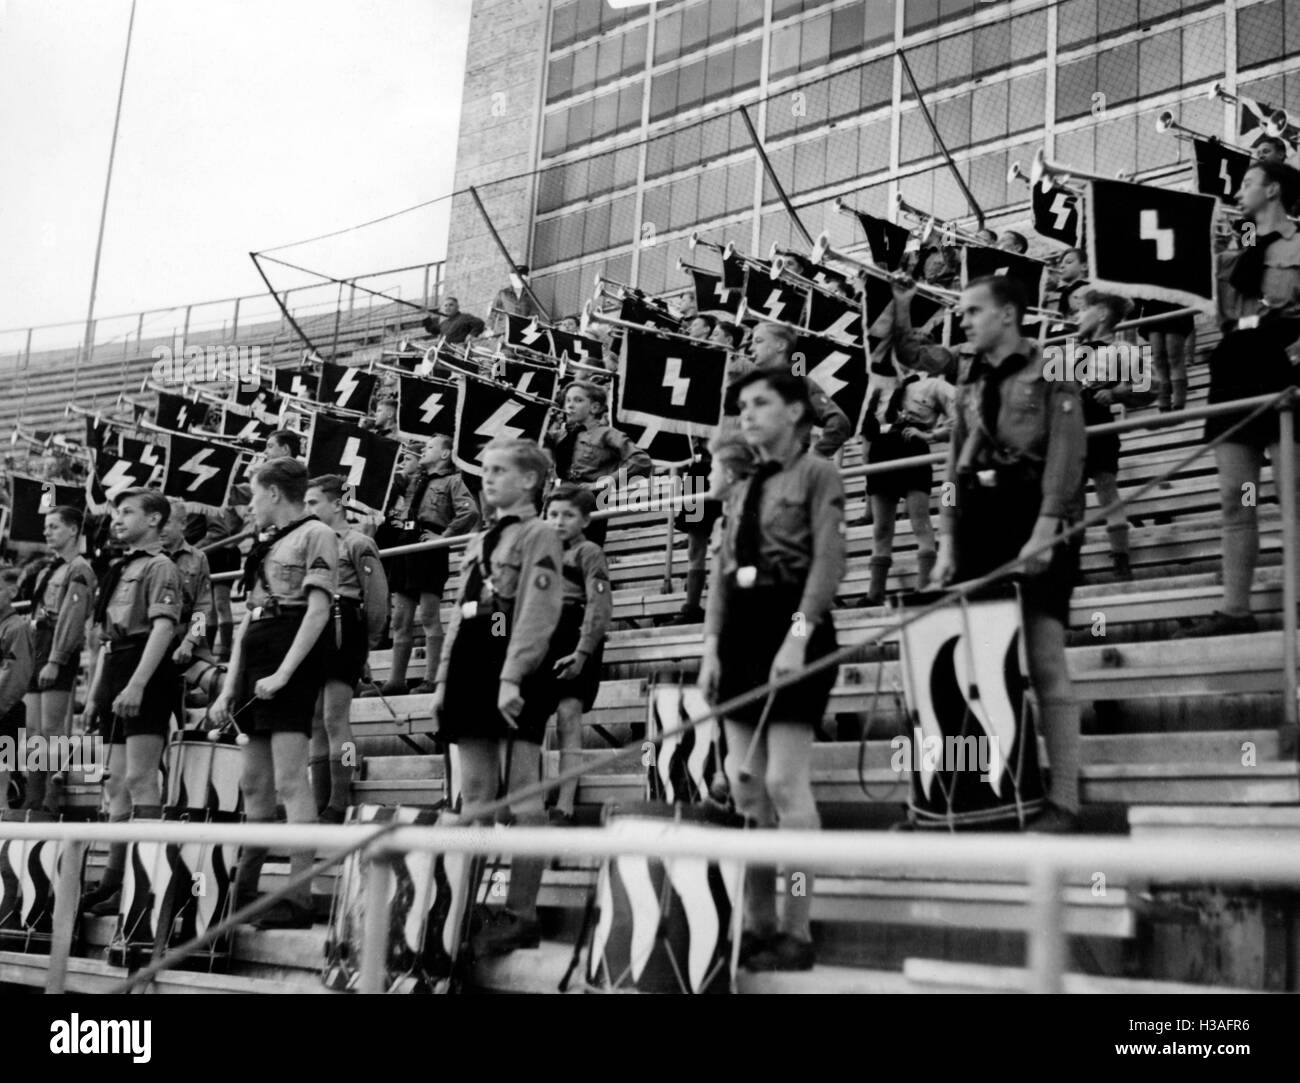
(251, 860)
(115, 868)
(299, 862)
(396, 683)
(432, 653)
(1240, 554)
(695, 578)
(340, 785)
(1178, 398)
(1059, 724)
(924, 566)
(321, 769)
(36, 782)
(225, 640)
(760, 899)
(526, 874)
(879, 578)
(567, 795)
(796, 906)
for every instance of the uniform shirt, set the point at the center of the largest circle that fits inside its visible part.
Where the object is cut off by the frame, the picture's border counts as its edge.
(457, 328)
(926, 404)
(1039, 421)
(362, 578)
(306, 558)
(447, 508)
(586, 582)
(801, 520)
(15, 659)
(68, 601)
(599, 450)
(516, 304)
(150, 587)
(1280, 284)
(525, 565)
(196, 590)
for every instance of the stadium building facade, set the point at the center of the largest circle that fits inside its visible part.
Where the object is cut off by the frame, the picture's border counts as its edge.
(599, 139)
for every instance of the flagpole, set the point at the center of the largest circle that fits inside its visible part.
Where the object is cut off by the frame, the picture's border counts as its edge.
(89, 344)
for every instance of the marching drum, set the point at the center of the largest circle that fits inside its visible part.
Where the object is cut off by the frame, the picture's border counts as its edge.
(666, 926)
(29, 878)
(973, 749)
(684, 766)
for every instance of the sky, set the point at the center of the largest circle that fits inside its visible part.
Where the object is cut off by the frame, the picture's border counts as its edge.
(246, 124)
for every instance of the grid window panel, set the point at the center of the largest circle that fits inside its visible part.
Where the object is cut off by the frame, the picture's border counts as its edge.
(1203, 50)
(555, 133)
(616, 269)
(550, 190)
(1075, 84)
(919, 15)
(879, 19)
(723, 19)
(622, 220)
(954, 60)
(844, 94)
(663, 95)
(1075, 149)
(714, 139)
(1160, 63)
(600, 176)
(544, 238)
(1292, 32)
(686, 147)
(683, 208)
(949, 202)
(923, 60)
(841, 154)
(1117, 74)
(873, 147)
(634, 49)
(713, 195)
(654, 208)
(1152, 11)
(595, 228)
(953, 119)
(580, 124)
(559, 79)
(718, 73)
(570, 235)
(588, 25)
(659, 157)
(584, 69)
(815, 45)
(1026, 106)
(914, 141)
(1076, 23)
(1261, 36)
(783, 9)
(695, 27)
(544, 286)
(629, 106)
(988, 179)
(847, 29)
(748, 16)
(740, 187)
(609, 60)
(563, 25)
(782, 160)
(668, 37)
(604, 115)
(654, 262)
(748, 70)
(1028, 36)
(1115, 17)
(781, 113)
(814, 108)
(809, 165)
(992, 47)
(575, 182)
(918, 190)
(569, 290)
(783, 58)
(1116, 145)
(1201, 115)
(690, 85)
(877, 83)
(988, 111)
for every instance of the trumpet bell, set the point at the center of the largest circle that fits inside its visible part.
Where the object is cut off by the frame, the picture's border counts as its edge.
(820, 247)
(1017, 173)
(1165, 121)
(1038, 168)
(1277, 124)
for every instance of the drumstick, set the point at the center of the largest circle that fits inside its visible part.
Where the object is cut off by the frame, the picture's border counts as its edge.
(746, 772)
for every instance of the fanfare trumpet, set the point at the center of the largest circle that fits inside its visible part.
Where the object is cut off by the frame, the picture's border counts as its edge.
(1275, 125)
(696, 241)
(1167, 122)
(822, 251)
(590, 315)
(930, 224)
(788, 268)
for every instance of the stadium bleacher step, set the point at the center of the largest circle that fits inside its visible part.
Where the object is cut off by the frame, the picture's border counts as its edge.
(938, 976)
(1272, 823)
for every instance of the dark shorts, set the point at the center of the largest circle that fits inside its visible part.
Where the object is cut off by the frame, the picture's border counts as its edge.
(226, 559)
(14, 721)
(1179, 325)
(896, 484)
(753, 628)
(413, 574)
(42, 641)
(1245, 364)
(994, 524)
(1103, 455)
(565, 641)
(700, 519)
(291, 709)
(474, 683)
(162, 695)
(349, 646)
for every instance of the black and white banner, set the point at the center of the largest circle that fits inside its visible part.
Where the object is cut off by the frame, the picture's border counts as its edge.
(981, 260)
(345, 388)
(1055, 212)
(33, 499)
(244, 427)
(365, 459)
(840, 320)
(175, 413)
(713, 296)
(665, 448)
(772, 300)
(1219, 169)
(527, 333)
(1151, 242)
(296, 383)
(116, 472)
(425, 408)
(648, 312)
(486, 411)
(199, 471)
(671, 384)
(838, 369)
(886, 240)
(567, 346)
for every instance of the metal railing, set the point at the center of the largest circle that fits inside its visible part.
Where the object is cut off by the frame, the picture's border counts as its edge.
(1045, 862)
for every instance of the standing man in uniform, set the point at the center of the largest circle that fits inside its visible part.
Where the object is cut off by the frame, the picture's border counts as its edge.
(138, 610)
(15, 672)
(62, 603)
(773, 348)
(1016, 471)
(197, 608)
(514, 300)
(277, 669)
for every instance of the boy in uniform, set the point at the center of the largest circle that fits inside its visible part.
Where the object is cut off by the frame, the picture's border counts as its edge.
(15, 672)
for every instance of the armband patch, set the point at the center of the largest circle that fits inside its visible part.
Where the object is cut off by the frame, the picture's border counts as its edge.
(543, 581)
(320, 564)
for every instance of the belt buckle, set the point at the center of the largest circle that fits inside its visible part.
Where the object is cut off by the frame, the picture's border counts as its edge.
(469, 610)
(409, 524)
(885, 428)
(1248, 323)
(987, 478)
(746, 577)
